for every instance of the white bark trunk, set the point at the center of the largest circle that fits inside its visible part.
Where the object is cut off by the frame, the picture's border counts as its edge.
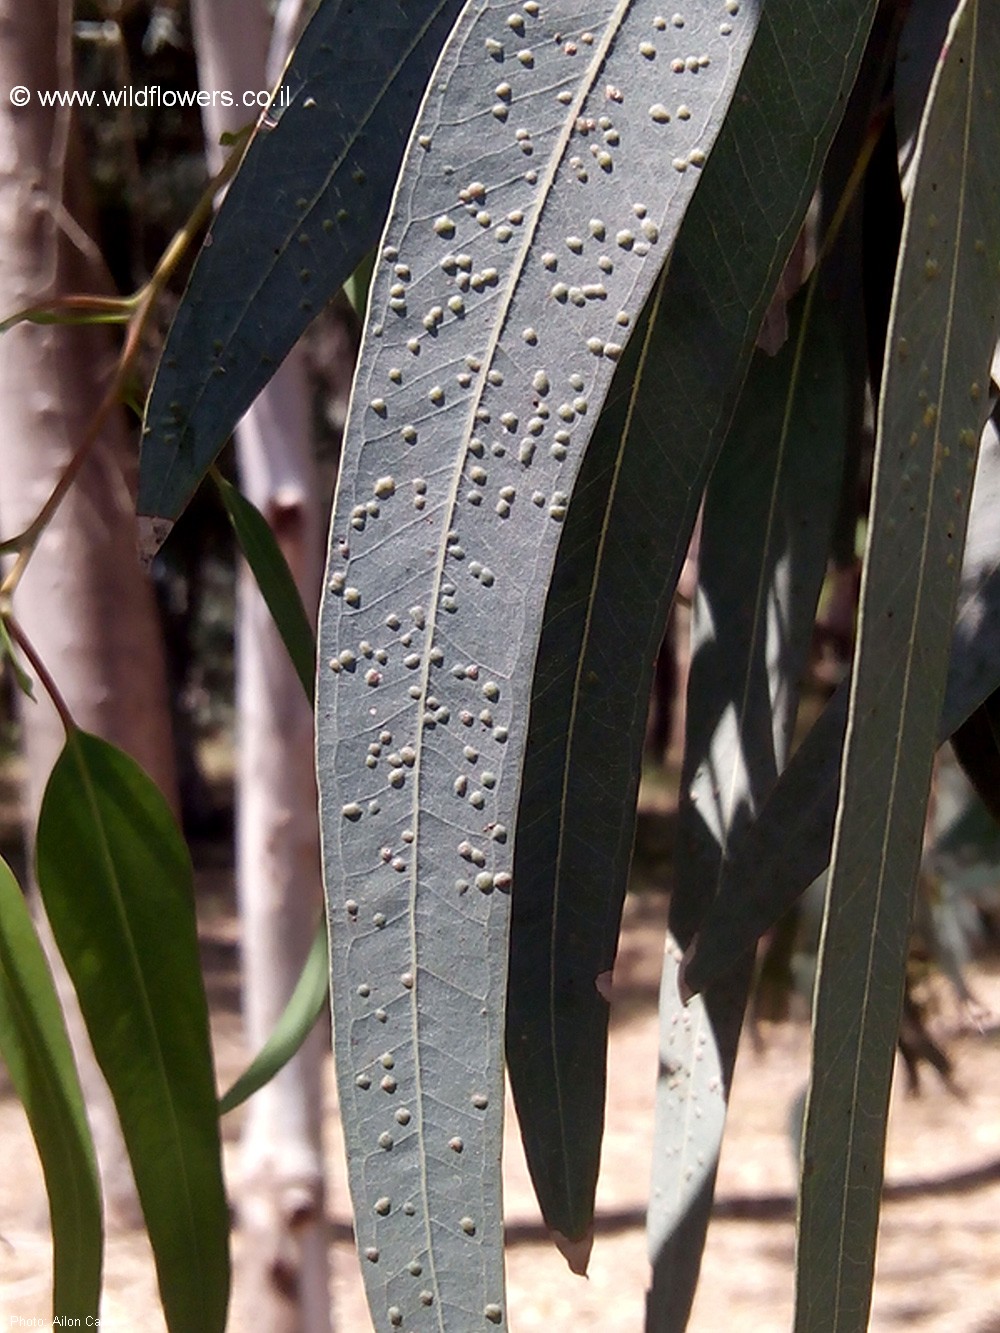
(83, 601)
(281, 1198)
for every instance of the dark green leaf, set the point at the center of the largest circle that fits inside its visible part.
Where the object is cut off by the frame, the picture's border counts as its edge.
(941, 339)
(626, 538)
(977, 750)
(296, 1022)
(274, 579)
(789, 844)
(773, 497)
(36, 1051)
(307, 203)
(116, 882)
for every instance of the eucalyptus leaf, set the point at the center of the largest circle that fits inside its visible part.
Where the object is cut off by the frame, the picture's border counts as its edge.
(116, 882)
(626, 538)
(36, 1051)
(274, 579)
(521, 247)
(942, 334)
(788, 846)
(299, 1017)
(307, 203)
(977, 751)
(773, 497)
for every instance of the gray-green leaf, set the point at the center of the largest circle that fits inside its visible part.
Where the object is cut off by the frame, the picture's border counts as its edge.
(935, 398)
(544, 186)
(788, 846)
(772, 497)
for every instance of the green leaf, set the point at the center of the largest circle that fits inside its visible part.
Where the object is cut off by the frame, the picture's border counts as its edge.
(274, 579)
(9, 654)
(941, 338)
(307, 203)
(36, 1051)
(625, 541)
(788, 846)
(528, 242)
(296, 1022)
(359, 284)
(773, 498)
(116, 881)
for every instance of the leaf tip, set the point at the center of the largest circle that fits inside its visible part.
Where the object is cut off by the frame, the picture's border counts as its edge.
(575, 1252)
(151, 533)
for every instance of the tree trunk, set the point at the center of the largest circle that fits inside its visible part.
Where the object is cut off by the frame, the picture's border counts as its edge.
(83, 601)
(283, 1282)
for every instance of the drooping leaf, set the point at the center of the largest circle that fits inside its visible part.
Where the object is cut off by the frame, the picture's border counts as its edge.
(36, 1051)
(773, 497)
(308, 201)
(625, 540)
(115, 878)
(9, 654)
(298, 1019)
(543, 188)
(788, 846)
(274, 579)
(941, 339)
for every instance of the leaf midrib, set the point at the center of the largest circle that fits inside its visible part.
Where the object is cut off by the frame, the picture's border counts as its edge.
(973, 10)
(166, 1100)
(584, 87)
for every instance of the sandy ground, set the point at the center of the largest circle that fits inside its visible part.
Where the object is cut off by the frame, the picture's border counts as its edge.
(939, 1259)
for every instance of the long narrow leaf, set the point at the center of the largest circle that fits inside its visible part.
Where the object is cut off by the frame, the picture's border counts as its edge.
(116, 882)
(297, 1020)
(625, 540)
(772, 498)
(274, 579)
(941, 339)
(789, 844)
(36, 1051)
(523, 241)
(307, 203)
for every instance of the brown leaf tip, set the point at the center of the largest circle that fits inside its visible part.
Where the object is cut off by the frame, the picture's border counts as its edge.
(151, 534)
(575, 1252)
